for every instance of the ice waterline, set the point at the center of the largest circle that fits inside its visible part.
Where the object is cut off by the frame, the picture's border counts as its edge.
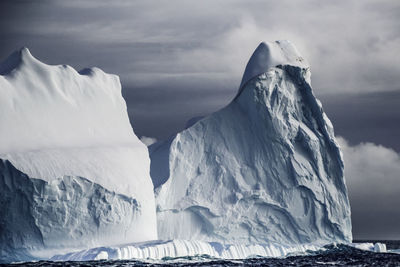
(157, 250)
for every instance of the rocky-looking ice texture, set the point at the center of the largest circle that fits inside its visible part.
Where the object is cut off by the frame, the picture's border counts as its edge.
(73, 174)
(266, 168)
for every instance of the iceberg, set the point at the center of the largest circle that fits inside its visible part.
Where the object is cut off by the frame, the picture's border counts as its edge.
(261, 177)
(264, 169)
(73, 174)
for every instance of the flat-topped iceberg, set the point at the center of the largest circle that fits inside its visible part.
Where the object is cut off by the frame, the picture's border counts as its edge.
(73, 175)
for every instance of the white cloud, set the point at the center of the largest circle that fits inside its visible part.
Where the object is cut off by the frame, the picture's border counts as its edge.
(371, 169)
(148, 140)
(352, 42)
(373, 180)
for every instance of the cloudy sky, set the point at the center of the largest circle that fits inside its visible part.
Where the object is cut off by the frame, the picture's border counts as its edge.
(179, 59)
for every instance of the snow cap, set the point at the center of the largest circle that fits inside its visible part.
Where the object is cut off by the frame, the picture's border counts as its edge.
(271, 54)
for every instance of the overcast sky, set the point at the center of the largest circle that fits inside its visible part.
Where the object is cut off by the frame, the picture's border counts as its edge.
(179, 59)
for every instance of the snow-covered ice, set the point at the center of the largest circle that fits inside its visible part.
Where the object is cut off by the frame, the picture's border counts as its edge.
(46, 106)
(73, 174)
(271, 54)
(266, 168)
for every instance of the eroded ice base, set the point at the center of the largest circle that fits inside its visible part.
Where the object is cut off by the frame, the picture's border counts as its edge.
(158, 250)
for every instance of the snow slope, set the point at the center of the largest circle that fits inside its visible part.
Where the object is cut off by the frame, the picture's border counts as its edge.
(73, 174)
(266, 168)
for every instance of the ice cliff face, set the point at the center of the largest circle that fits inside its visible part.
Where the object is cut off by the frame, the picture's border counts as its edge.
(73, 174)
(266, 168)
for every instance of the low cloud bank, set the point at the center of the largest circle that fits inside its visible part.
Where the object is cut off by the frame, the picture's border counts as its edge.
(373, 180)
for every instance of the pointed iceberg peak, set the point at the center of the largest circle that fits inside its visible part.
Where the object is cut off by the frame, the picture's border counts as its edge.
(25, 53)
(15, 60)
(22, 53)
(271, 54)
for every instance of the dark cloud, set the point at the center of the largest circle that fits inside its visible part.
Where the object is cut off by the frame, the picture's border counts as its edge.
(351, 41)
(373, 117)
(160, 113)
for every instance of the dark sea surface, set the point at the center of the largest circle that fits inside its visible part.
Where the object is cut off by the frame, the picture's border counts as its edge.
(339, 255)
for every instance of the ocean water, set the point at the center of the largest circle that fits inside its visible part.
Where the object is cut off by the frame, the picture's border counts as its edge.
(339, 255)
